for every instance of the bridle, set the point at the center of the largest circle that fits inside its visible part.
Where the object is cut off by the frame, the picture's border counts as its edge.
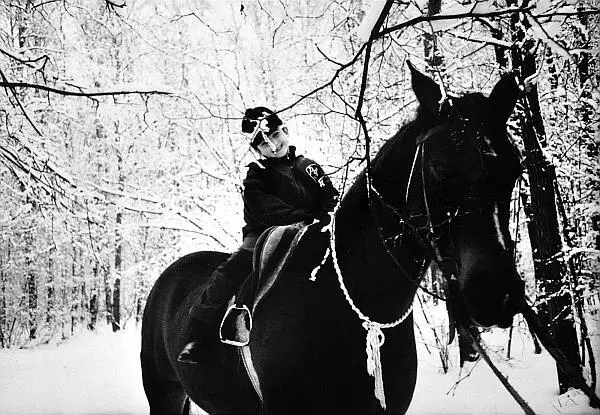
(447, 263)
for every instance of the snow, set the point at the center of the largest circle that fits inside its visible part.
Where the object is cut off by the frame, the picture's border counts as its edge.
(368, 22)
(99, 373)
(91, 373)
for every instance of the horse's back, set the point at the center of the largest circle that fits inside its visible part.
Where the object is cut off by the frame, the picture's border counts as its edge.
(179, 281)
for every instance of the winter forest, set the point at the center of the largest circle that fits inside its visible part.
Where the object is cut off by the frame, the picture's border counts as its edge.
(121, 148)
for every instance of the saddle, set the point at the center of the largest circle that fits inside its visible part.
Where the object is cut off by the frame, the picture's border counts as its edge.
(273, 249)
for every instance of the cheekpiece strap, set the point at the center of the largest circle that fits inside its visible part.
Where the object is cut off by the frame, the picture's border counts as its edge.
(427, 135)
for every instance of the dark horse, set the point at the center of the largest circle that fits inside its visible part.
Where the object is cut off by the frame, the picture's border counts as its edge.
(440, 191)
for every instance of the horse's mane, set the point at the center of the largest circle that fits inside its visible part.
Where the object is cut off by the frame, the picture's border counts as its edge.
(409, 130)
(402, 140)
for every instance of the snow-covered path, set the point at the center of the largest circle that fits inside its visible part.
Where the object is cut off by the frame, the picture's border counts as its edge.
(90, 374)
(98, 373)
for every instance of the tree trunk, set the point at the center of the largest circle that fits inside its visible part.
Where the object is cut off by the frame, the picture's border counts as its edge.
(32, 299)
(116, 305)
(83, 303)
(578, 295)
(116, 326)
(549, 267)
(118, 240)
(74, 294)
(585, 112)
(50, 291)
(93, 312)
(116, 321)
(556, 306)
(66, 308)
(3, 340)
(139, 310)
(108, 299)
(94, 301)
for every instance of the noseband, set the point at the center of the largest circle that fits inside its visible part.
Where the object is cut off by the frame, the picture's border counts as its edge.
(446, 262)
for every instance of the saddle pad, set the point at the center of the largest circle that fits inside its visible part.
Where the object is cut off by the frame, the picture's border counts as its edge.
(273, 249)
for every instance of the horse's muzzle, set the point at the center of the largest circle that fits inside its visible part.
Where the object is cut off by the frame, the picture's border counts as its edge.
(493, 301)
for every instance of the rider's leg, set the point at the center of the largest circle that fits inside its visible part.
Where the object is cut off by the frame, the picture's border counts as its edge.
(208, 310)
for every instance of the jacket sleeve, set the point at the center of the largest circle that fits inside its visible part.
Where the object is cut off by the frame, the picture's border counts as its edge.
(330, 195)
(263, 208)
(327, 194)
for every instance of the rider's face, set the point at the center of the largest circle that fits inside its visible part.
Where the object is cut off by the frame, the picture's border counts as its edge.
(276, 144)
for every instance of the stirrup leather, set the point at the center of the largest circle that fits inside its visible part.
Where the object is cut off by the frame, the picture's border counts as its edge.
(240, 315)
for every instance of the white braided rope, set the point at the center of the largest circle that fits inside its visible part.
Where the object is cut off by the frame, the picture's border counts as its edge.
(338, 272)
(375, 337)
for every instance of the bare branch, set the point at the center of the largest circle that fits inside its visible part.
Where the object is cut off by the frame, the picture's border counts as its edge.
(330, 82)
(421, 19)
(23, 60)
(14, 93)
(497, 13)
(7, 84)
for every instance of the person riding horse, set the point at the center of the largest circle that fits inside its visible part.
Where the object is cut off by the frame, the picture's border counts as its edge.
(341, 340)
(281, 188)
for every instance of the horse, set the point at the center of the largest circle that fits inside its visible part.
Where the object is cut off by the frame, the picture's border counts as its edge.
(342, 342)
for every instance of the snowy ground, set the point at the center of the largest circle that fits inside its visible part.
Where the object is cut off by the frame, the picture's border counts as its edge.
(98, 373)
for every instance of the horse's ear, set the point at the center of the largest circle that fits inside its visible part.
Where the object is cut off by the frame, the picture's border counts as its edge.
(427, 91)
(504, 98)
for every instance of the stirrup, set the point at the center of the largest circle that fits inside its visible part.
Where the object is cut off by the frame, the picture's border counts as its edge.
(237, 312)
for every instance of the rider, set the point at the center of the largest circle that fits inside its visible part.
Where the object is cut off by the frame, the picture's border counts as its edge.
(281, 188)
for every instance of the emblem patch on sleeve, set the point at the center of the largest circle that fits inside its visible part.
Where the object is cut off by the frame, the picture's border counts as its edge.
(315, 173)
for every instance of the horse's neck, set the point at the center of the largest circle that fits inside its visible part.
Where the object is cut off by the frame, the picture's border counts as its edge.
(375, 278)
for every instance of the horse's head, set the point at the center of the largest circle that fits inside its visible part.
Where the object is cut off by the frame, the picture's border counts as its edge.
(459, 193)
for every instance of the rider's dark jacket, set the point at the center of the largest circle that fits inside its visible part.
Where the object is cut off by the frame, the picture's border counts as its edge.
(283, 191)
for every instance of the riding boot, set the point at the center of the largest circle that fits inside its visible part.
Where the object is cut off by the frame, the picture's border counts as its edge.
(208, 311)
(203, 335)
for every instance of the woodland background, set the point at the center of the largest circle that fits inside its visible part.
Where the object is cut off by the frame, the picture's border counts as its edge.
(121, 148)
